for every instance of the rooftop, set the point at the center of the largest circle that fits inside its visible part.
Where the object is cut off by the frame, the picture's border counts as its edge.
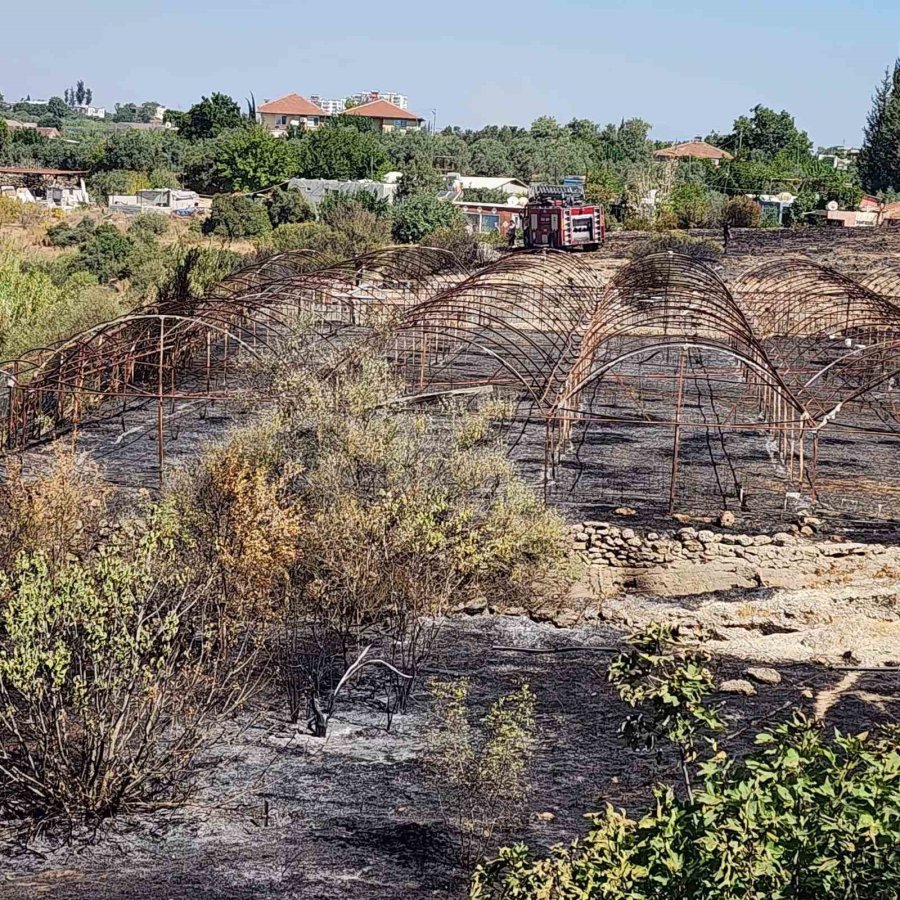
(692, 150)
(291, 105)
(33, 170)
(382, 109)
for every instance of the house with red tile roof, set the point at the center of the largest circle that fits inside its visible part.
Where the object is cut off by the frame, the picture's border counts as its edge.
(387, 116)
(693, 150)
(289, 111)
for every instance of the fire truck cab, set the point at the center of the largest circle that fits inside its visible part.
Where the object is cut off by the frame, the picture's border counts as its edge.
(557, 217)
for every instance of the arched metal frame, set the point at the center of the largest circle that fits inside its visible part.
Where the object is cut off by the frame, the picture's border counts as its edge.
(789, 357)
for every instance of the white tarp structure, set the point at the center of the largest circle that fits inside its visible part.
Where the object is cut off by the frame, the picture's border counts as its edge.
(165, 200)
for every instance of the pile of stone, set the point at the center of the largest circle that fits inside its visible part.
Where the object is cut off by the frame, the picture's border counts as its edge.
(603, 544)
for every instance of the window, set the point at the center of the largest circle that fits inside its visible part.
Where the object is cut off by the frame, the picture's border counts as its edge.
(490, 223)
(281, 120)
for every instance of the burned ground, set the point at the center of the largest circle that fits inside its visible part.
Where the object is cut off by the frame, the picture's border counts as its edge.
(353, 816)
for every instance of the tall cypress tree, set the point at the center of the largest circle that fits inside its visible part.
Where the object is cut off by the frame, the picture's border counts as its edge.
(879, 161)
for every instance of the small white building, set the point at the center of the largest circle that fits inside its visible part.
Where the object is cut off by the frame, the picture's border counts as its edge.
(92, 112)
(64, 196)
(457, 184)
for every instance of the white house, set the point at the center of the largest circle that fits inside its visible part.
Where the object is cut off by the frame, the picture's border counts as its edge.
(92, 112)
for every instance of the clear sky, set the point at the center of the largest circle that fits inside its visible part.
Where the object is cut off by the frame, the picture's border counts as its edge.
(687, 67)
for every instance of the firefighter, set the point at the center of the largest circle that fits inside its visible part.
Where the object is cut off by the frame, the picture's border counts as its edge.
(511, 230)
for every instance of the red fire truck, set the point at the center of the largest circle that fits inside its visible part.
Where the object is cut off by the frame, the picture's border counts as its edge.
(558, 217)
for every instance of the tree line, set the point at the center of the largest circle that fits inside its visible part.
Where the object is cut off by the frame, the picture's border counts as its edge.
(216, 147)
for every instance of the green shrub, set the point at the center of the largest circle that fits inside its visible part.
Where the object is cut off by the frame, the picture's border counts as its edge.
(65, 235)
(402, 515)
(109, 679)
(289, 207)
(9, 210)
(463, 244)
(668, 683)
(106, 253)
(741, 212)
(801, 818)
(299, 236)
(421, 214)
(691, 205)
(149, 225)
(480, 773)
(237, 217)
(41, 304)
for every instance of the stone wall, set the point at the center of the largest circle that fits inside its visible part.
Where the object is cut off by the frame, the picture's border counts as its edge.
(690, 561)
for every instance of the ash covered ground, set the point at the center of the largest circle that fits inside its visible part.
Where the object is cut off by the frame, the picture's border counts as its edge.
(353, 816)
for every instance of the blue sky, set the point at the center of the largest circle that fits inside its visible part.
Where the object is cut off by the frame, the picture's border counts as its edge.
(686, 67)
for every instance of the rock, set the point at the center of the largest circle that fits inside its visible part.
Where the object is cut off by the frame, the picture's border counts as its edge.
(806, 531)
(706, 537)
(761, 540)
(726, 518)
(582, 536)
(580, 545)
(625, 511)
(475, 605)
(566, 617)
(782, 538)
(737, 686)
(807, 693)
(763, 675)
(544, 816)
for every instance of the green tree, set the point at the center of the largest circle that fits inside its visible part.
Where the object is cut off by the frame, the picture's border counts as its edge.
(489, 157)
(545, 128)
(56, 106)
(106, 253)
(416, 216)
(251, 159)
(879, 160)
(419, 177)
(289, 207)
(211, 116)
(237, 217)
(766, 133)
(339, 152)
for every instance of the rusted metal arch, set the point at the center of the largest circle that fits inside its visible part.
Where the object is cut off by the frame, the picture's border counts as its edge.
(817, 324)
(667, 295)
(798, 297)
(341, 293)
(89, 368)
(884, 281)
(527, 317)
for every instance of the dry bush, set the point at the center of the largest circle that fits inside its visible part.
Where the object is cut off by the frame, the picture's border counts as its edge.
(112, 672)
(243, 527)
(402, 516)
(480, 774)
(741, 212)
(61, 513)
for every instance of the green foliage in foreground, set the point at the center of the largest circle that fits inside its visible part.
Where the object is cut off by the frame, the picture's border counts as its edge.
(801, 818)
